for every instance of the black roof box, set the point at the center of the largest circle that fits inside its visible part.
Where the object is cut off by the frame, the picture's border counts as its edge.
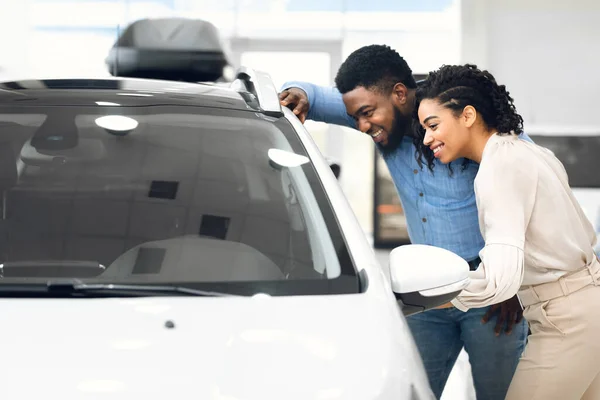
(179, 49)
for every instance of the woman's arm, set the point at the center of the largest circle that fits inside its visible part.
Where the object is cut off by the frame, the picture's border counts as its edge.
(505, 191)
(497, 279)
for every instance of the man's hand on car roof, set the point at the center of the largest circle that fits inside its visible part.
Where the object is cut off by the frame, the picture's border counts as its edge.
(296, 100)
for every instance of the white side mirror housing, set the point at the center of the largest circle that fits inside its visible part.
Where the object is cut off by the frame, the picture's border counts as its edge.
(425, 277)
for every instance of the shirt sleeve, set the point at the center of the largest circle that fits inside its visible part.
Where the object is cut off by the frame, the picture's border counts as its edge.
(505, 190)
(497, 279)
(325, 104)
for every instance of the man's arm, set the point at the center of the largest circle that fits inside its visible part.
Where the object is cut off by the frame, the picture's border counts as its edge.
(325, 104)
(526, 137)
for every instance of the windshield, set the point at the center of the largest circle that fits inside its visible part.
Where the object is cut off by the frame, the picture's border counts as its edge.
(579, 155)
(164, 195)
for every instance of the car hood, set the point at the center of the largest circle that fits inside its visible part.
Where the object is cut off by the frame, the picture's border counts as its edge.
(304, 347)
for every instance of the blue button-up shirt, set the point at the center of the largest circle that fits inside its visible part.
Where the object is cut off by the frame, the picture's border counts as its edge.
(440, 207)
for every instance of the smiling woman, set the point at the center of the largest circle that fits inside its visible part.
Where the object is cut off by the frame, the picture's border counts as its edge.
(453, 106)
(465, 113)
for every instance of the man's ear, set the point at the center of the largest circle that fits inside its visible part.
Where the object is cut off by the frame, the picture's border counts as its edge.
(469, 116)
(399, 94)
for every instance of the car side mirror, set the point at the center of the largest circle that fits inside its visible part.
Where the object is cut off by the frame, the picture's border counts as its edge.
(425, 277)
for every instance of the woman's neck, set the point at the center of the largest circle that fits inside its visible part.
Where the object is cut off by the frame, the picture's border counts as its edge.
(478, 143)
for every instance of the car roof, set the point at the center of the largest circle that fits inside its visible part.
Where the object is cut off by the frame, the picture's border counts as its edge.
(123, 92)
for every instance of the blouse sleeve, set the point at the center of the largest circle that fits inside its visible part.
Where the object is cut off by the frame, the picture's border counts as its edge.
(497, 279)
(505, 190)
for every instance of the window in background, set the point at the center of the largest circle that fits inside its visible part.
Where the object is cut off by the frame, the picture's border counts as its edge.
(285, 66)
(303, 66)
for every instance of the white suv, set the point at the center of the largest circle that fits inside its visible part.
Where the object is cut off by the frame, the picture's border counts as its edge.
(166, 240)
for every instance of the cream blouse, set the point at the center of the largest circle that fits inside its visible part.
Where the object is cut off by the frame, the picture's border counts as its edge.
(534, 229)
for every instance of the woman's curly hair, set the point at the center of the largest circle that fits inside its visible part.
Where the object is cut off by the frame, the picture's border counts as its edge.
(458, 86)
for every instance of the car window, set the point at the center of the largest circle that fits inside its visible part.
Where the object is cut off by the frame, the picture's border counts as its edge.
(579, 155)
(162, 195)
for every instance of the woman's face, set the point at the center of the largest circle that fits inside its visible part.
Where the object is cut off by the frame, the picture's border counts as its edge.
(445, 134)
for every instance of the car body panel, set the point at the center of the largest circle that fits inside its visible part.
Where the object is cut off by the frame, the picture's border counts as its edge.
(313, 347)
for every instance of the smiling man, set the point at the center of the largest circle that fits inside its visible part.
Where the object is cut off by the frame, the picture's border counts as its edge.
(376, 94)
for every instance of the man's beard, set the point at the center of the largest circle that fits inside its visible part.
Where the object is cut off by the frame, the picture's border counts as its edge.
(400, 128)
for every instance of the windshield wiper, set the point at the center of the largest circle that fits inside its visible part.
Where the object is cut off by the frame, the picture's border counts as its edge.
(76, 288)
(129, 290)
(51, 268)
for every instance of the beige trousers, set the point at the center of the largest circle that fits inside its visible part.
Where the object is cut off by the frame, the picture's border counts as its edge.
(562, 358)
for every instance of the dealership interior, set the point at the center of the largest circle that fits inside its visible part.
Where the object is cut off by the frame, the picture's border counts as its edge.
(546, 53)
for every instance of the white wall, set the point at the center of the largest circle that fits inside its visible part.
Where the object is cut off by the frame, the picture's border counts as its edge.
(546, 52)
(14, 36)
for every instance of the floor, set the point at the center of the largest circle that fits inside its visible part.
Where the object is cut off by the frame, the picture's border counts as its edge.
(460, 382)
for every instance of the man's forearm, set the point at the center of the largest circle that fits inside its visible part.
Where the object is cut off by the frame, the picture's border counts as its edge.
(325, 104)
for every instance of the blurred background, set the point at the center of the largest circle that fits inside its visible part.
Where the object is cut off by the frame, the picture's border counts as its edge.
(545, 52)
(292, 40)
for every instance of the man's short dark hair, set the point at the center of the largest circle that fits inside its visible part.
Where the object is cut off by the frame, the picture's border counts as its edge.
(374, 67)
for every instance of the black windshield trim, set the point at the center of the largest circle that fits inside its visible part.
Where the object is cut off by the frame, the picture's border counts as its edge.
(308, 287)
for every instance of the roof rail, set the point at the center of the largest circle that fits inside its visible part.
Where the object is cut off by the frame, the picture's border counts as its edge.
(259, 83)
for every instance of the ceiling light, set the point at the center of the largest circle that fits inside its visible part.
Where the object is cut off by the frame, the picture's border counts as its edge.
(117, 123)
